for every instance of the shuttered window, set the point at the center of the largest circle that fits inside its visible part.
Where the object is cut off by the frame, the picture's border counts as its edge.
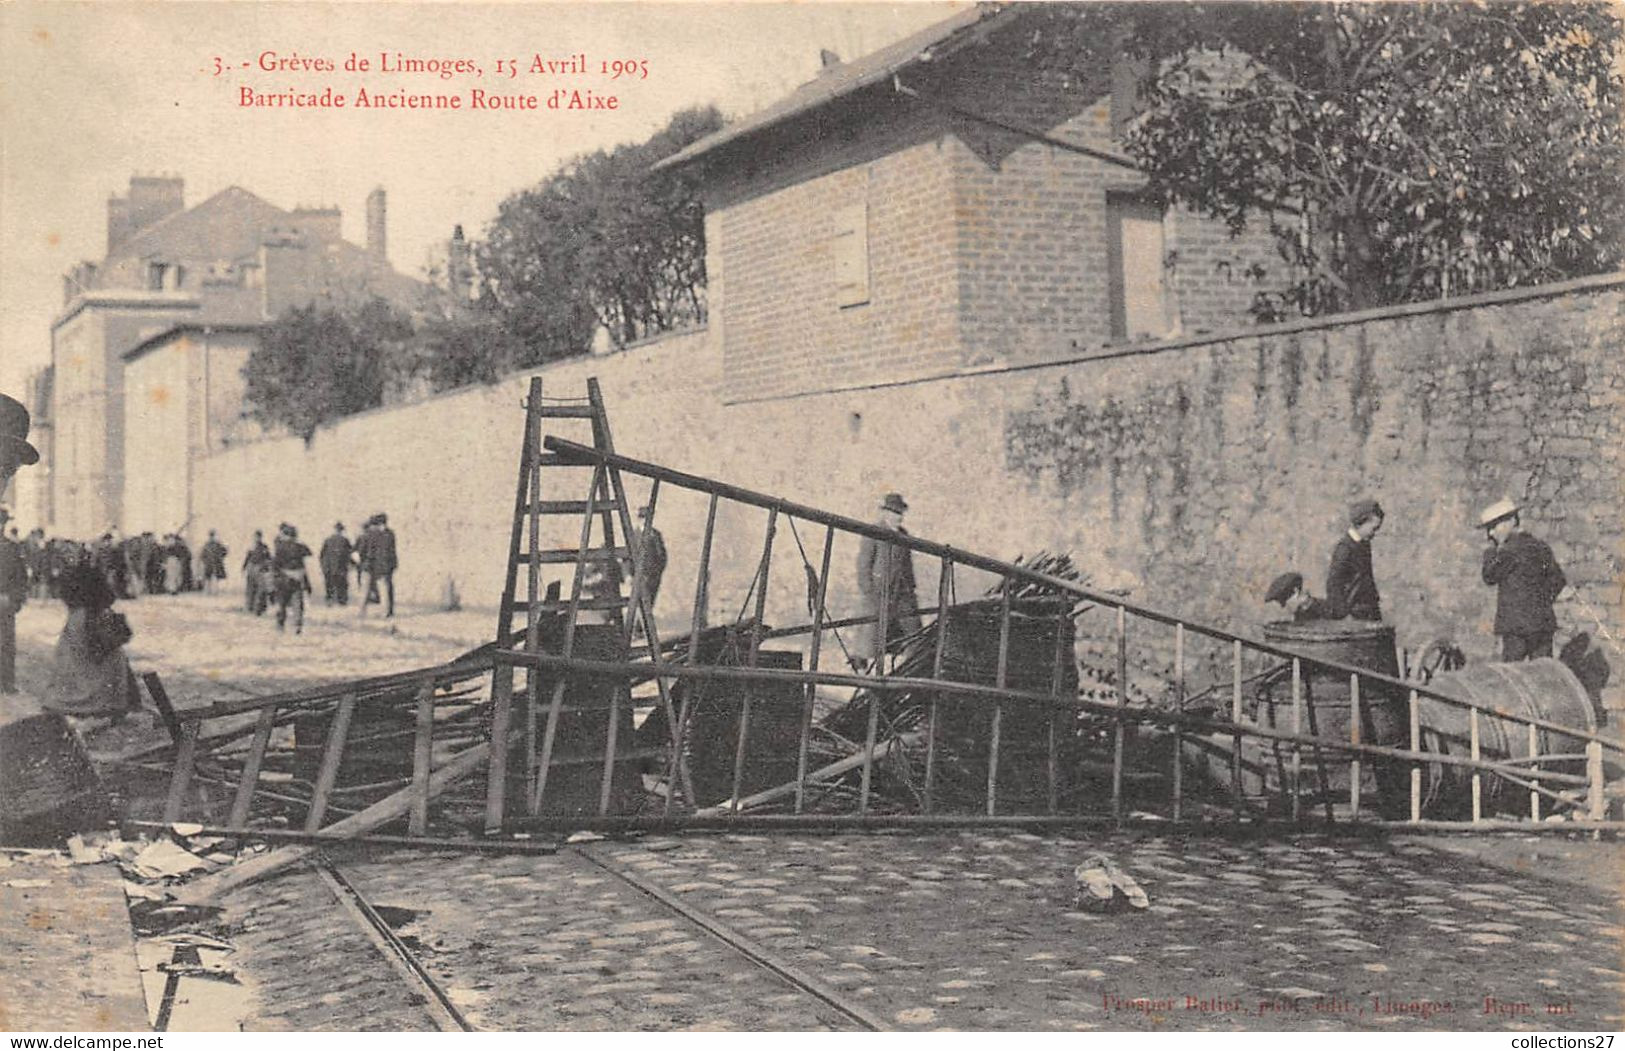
(850, 249)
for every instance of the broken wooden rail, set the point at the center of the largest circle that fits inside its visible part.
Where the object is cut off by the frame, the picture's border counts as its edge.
(1354, 750)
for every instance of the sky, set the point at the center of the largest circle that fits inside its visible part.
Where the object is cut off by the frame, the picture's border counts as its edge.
(91, 93)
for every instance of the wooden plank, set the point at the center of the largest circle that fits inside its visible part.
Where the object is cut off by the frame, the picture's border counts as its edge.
(251, 767)
(1478, 786)
(1180, 692)
(1235, 717)
(1000, 678)
(882, 637)
(496, 780)
(1122, 706)
(1297, 731)
(166, 710)
(813, 653)
(205, 889)
(1063, 629)
(1416, 767)
(181, 779)
(753, 654)
(1354, 738)
(702, 584)
(1597, 794)
(332, 756)
(1534, 793)
(944, 588)
(422, 758)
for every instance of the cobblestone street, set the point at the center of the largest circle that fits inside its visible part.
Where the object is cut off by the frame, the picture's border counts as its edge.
(956, 930)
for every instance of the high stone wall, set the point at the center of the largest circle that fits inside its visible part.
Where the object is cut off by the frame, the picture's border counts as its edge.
(1190, 472)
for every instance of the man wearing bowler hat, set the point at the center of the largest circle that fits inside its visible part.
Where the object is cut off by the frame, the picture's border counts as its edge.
(15, 452)
(1527, 580)
(335, 562)
(1351, 586)
(378, 558)
(886, 582)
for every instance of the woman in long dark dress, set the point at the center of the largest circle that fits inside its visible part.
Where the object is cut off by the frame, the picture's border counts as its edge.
(90, 675)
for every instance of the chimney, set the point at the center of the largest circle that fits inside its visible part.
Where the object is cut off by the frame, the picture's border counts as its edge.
(459, 272)
(377, 226)
(151, 198)
(118, 221)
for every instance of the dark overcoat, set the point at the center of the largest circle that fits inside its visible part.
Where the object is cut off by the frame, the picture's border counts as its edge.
(1528, 579)
(885, 579)
(1351, 586)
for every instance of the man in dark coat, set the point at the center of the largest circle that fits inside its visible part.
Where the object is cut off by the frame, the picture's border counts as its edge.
(379, 561)
(13, 593)
(1351, 586)
(886, 582)
(1287, 589)
(292, 581)
(335, 563)
(1527, 580)
(213, 555)
(256, 564)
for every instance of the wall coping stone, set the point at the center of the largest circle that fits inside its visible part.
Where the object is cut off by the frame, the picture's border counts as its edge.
(1593, 283)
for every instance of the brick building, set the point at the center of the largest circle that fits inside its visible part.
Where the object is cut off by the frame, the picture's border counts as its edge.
(147, 353)
(940, 205)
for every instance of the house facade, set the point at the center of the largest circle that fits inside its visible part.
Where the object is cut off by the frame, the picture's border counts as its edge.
(943, 205)
(147, 354)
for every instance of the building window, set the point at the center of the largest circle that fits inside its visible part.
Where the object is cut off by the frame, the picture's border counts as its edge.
(850, 248)
(1137, 281)
(155, 277)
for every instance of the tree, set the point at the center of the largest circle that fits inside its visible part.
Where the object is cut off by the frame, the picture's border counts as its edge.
(316, 364)
(603, 242)
(1398, 151)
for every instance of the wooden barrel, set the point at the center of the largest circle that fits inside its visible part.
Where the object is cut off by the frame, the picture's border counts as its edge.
(1542, 689)
(576, 770)
(965, 724)
(1328, 705)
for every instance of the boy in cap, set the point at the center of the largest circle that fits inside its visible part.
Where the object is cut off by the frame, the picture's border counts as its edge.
(1287, 589)
(1527, 580)
(1351, 586)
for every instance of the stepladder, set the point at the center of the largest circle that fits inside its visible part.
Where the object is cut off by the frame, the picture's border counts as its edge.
(562, 744)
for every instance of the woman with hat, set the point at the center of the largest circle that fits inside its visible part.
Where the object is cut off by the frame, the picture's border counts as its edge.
(89, 673)
(1527, 580)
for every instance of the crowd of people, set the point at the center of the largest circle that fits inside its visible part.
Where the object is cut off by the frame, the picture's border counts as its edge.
(276, 573)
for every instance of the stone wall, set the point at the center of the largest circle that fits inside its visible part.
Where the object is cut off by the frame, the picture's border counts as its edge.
(1190, 472)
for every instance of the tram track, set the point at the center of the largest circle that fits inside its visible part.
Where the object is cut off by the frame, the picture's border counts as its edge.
(426, 991)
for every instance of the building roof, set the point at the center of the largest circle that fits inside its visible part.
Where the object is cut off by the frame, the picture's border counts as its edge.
(184, 328)
(228, 225)
(849, 77)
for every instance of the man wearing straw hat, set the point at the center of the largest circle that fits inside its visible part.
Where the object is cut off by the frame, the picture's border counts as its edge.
(1527, 580)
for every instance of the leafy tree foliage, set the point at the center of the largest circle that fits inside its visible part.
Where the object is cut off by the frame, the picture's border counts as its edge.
(604, 241)
(319, 363)
(1399, 151)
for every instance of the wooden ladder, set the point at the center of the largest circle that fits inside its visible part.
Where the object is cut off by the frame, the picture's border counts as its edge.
(606, 507)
